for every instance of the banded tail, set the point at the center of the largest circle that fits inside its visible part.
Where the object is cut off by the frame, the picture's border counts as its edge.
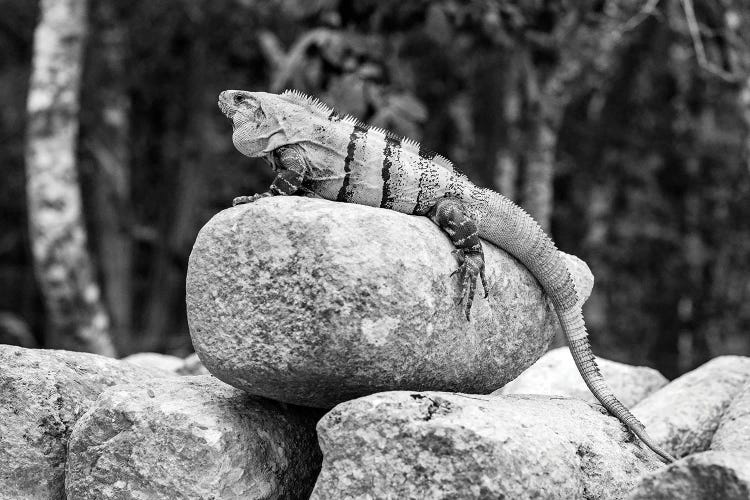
(505, 224)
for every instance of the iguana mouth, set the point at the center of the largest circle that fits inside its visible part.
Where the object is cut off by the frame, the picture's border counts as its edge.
(225, 108)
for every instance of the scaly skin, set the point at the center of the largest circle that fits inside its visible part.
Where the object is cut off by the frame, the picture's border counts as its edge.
(339, 158)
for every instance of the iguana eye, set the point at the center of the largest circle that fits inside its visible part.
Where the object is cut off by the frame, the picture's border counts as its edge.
(238, 98)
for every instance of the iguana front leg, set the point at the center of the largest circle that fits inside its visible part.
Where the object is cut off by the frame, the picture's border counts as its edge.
(451, 216)
(291, 167)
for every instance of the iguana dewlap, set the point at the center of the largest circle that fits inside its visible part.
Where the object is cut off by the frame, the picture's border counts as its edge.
(314, 149)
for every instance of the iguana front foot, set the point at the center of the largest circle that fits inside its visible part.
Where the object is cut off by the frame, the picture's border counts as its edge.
(241, 200)
(291, 167)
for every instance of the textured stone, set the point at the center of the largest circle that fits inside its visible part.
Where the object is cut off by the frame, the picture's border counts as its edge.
(191, 437)
(582, 277)
(702, 476)
(192, 366)
(443, 445)
(733, 433)
(314, 303)
(156, 360)
(555, 373)
(42, 394)
(683, 416)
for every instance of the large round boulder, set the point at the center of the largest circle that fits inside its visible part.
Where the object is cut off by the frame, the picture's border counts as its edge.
(314, 302)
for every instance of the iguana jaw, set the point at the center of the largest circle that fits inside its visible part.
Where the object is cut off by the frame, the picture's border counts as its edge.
(239, 106)
(225, 107)
(256, 129)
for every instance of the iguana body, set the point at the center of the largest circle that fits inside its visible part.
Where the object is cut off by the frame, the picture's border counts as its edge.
(339, 158)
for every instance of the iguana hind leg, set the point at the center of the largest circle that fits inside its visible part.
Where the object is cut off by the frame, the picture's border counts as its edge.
(451, 216)
(291, 172)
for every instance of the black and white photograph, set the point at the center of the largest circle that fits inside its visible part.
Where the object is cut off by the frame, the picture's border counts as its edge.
(374, 249)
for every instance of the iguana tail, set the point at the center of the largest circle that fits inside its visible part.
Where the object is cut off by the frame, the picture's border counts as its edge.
(505, 224)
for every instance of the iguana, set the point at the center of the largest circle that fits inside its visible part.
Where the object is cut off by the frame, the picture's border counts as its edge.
(314, 149)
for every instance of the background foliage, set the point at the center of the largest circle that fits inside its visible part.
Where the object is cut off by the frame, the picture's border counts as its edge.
(650, 185)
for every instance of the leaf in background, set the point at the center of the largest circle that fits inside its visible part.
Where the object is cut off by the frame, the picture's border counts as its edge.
(302, 9)
(402, 113)
(347, 94)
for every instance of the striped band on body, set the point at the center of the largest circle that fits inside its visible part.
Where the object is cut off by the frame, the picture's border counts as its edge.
(391, 154)
(358, 135)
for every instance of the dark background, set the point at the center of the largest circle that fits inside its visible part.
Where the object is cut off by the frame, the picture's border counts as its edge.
(637, 146)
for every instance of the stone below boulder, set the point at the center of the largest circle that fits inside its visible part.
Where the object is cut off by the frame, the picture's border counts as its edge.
(702, 476)
(192, 366)
(733, 433)
(156, 360)
(555, 373)
(314, 302)
(443, 445)
(683, 416)
(193, 437)
(42, 394)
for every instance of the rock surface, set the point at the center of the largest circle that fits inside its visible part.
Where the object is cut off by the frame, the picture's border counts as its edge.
(702, 476)
(582, 277)
(443, 445)
(555, 373)
(193, 437)
(684, 415)
(156, 360)
(314, 303)
(192, 366)
(733, 433)
(42, 394)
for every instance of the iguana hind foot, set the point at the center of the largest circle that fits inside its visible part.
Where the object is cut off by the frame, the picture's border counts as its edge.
(449, 213)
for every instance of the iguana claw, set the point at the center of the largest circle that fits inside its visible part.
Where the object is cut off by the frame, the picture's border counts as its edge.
(241, 200)
(470, 266)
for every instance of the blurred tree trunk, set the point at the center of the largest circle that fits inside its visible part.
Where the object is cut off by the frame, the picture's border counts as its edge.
(506, 155)
(108, 143)
(520, 136)
(539, 153)
(737, 21)
(76, 317)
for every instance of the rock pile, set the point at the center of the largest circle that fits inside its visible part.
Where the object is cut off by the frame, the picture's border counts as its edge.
(42, 394)
(242, 446)
(703, 416)
(556, 374)
(295, 299)
(447, 445)
(79, 426)
(442, 445)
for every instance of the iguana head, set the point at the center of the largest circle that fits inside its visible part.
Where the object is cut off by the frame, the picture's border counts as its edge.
(264, 122)
(258, 119)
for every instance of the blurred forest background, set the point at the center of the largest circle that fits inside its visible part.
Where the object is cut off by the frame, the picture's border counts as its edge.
(622, 125)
